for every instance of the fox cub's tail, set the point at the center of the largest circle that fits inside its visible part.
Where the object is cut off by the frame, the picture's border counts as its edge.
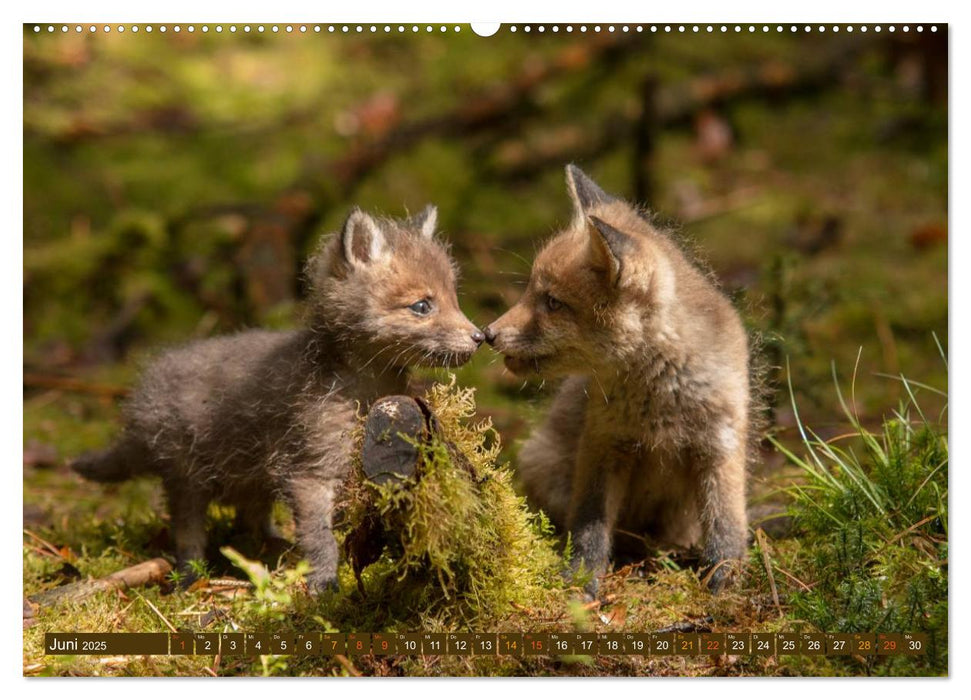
(118, 463)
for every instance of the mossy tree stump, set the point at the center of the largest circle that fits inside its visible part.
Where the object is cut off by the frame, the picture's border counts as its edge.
(394, 428)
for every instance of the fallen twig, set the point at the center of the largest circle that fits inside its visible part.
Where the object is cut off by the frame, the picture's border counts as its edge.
(145, 573)
(46, 545)
(714, 570)
(159, 613)
(348, 666)
(229, 583)
(702, 625)
(804, 586)
(624, 571)
(764, 549)
(901, 535)
(523, 608)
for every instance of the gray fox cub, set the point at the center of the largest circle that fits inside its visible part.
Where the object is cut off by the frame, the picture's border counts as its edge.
(248, 418)
(649, 432)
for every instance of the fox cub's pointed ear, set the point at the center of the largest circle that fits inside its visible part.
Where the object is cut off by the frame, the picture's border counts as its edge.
(425, 221)
(584, 192)
(362, 240)
(608, 247)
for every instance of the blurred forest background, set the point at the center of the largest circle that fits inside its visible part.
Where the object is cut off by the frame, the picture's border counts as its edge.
(174, 184)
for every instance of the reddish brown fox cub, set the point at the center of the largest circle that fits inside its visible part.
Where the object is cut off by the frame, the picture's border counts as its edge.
(649, 432)
(249, 418)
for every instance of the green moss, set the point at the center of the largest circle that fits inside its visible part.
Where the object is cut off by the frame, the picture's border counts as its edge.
(460, 545)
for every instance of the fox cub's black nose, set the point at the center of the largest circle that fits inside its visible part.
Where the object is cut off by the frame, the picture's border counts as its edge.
(488, 334)
(478, 336)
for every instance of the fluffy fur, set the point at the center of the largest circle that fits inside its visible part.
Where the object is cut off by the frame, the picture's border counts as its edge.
(249, 418)
(649, 432)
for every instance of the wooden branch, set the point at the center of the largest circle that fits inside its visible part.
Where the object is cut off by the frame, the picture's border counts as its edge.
(503, 104)
(79, 386)
(675, 105)
(143, 574)
(497, 106)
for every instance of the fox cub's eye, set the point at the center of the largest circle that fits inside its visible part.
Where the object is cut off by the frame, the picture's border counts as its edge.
(552, 303)
(421, 307)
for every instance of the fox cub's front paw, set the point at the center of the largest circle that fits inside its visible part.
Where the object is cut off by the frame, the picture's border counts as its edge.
(717, 575)
(323, 582)
(578, 574)
(591, 589)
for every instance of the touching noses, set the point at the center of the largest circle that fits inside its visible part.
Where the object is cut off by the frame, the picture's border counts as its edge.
(478, 336)
(488, 335)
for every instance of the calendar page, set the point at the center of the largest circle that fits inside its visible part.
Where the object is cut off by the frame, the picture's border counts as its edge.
(518, 349)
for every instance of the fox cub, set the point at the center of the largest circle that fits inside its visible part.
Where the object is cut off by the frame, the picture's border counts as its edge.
(248, 418)
(649, 432)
